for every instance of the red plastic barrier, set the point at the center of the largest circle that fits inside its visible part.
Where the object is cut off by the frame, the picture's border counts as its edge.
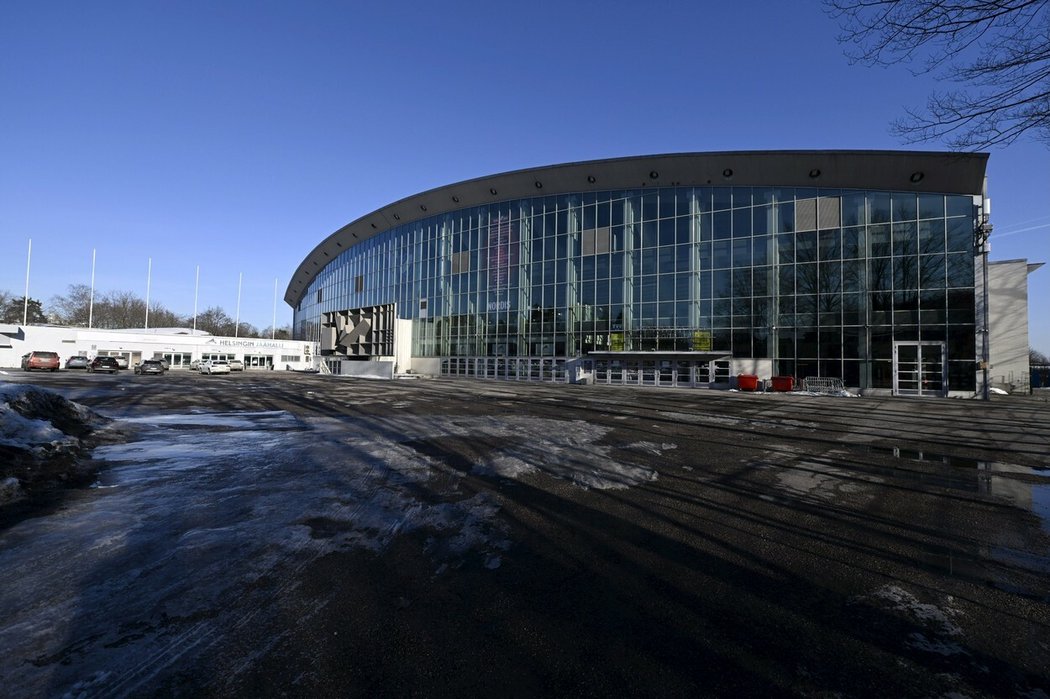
(747, 382)
(783, 383)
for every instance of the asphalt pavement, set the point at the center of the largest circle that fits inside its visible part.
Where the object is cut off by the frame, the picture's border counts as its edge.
(272, 533)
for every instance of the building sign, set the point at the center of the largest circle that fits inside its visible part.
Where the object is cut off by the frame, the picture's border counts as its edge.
(502, 258)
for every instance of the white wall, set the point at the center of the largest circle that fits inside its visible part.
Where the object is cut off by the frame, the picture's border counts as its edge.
(1008, 325)
(16, 340)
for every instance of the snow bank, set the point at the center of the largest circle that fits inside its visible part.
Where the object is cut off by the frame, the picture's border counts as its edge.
(41, 436)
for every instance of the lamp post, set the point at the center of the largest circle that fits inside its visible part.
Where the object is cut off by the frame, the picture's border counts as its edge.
(981, 234)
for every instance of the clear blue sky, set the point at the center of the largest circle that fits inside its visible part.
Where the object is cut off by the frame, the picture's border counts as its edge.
(237, 135)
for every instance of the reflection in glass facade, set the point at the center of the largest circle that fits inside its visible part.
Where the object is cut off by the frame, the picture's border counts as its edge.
(821, 282)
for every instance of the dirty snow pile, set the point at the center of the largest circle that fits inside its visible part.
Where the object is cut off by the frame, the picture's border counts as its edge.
(41, 435)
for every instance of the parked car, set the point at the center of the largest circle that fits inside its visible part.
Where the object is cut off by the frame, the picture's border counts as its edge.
(44, 361)
(107, 364)
(195, 365)
(122, 361)
(236, 365)
(149, 366)
(215, 366)
(78, 361)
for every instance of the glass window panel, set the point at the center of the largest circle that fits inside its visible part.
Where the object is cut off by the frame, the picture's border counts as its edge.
(880, 274)
(741, 310)
(830, 276)
(666, 259)
(931, 206)
(762, 220)
(852, 243)
(590, 216)
(741, 223)
(682, 229)
(762, 195)
(722, 253)
(705, 255)
(878, 207)
(960, 206)
(905, 238)
(650, 208)
(960, 235)
(742, 252)
(786, 217)
(807, 343)
(742, 282)
(786, 248)
(853, 209)
(806, 246)
(683, 286)
(853, 278)
(903, 206)
(830, 245)
(960, 270)
(667, 203)
(667, 232)
(723, 225)
(649, 261)
(742, 343)
(879, 241)
(666, 287)
(706, 227)
(786, 275)
(931, 236)
(650, 234)
(760, 250)
(931, 271)
(601, 266)
(905, 272)
(683, 258)
(760, 283)
(721, 198)
(723, 283)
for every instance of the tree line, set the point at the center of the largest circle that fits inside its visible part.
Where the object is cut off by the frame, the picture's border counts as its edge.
(121, 310)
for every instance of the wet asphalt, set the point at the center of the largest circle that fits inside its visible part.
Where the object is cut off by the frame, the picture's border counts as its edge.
(276, 534)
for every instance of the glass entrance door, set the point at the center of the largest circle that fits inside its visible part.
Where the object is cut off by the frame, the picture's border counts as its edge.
(919, 369)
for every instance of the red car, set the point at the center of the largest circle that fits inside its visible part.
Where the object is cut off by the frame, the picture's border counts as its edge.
(44, 361)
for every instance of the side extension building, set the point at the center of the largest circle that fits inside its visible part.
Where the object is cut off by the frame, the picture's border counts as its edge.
(676, 270)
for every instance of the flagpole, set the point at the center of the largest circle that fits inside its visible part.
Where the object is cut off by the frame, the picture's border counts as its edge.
(237, 320)
(273, 324)
(196, 286)
(25, 296)
(149, 274)
(91, 297)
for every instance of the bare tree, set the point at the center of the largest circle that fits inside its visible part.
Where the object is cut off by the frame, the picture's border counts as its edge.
(215, 321)
(997, 51)
(1036, 357)
(75, 307)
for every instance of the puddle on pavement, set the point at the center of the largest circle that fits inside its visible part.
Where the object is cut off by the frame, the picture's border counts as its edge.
(991, 478)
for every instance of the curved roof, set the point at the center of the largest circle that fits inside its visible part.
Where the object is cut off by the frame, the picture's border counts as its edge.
(945, 173)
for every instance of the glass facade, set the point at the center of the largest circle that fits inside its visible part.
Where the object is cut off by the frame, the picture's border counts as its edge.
(821, 282)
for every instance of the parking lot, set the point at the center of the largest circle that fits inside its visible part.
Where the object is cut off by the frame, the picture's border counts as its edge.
(266, 533)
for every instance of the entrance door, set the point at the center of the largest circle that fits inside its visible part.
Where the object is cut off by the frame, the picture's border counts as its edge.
(919, 369)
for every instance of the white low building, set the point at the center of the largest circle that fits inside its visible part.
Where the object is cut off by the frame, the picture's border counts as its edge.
(179, 346)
